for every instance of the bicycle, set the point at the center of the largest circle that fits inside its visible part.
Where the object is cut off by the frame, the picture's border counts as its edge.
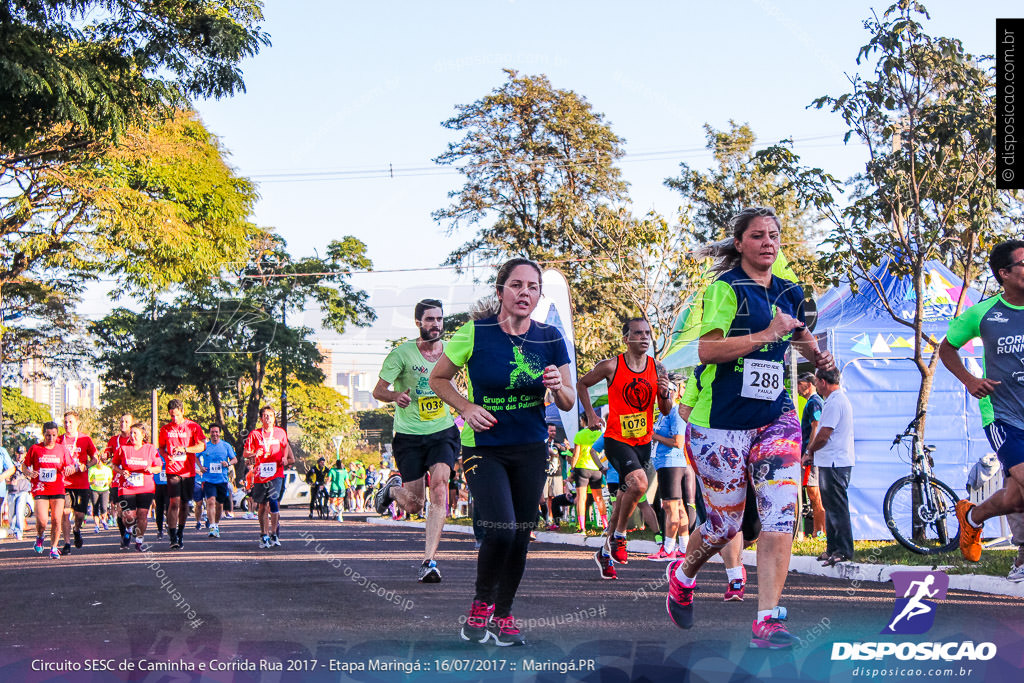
(919, 509)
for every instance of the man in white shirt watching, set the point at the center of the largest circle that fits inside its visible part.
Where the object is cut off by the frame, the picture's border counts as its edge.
(831, 451)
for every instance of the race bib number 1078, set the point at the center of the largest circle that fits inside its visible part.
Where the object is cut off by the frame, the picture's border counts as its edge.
(633, 425)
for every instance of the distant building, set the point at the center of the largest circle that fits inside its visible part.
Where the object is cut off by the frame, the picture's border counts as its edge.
(59, 393)
(356, 386)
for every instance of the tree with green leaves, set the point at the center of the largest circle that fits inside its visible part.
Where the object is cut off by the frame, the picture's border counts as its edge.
(40, 321)
(924, 112)
(161, 206)
(744, 177)
(536, 159)
(643, 265)
(321, 413)
(539, 164)
(21, 411)
(225, 336)
(76, 71)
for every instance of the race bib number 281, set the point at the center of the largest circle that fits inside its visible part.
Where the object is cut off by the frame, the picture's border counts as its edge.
(762, 379)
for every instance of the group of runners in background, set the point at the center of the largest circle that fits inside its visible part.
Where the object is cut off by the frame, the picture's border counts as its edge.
(67, 469)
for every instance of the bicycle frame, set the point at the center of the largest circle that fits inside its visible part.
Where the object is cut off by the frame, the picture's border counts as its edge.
(928, 508)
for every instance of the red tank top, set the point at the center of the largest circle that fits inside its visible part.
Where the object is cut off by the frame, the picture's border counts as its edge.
(631, 398)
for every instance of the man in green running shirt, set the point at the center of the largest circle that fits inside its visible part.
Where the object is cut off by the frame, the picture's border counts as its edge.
(426, 441)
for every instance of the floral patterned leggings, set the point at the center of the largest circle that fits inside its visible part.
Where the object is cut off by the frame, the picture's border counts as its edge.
(727, 459)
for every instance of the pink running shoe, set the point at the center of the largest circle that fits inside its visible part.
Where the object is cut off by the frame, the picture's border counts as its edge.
(661, 555)
(771, 632)
(475, 628)
(734, 590)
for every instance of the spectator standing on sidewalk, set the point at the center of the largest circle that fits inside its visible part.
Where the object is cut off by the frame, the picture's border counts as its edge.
(831, 451)
(809, 422)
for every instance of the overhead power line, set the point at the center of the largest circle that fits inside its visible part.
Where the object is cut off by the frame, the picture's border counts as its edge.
(391, 171)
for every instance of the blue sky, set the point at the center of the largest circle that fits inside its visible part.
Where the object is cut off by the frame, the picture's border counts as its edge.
(347, 88)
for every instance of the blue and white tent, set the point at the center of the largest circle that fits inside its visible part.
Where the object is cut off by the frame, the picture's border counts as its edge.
(875, 354)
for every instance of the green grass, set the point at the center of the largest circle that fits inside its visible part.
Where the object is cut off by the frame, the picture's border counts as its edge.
(993, 562)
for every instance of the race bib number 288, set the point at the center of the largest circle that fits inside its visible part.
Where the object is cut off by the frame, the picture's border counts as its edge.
(762, 380)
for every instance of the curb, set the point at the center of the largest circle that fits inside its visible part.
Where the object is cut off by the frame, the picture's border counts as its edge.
(802, 564)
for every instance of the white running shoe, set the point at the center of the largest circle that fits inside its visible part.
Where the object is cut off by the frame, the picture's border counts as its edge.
(1016, 574)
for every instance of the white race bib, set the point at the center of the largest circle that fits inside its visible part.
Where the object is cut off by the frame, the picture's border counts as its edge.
(135, 480)
(214, 468)
(48, 475)
(268, 469)
(179, 457)
(762, 379)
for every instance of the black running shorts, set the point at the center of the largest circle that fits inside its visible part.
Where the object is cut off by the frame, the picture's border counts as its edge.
(78, 499)
(180, 487)
(626, 458)
(138, 501)
(415, 454)
(670, 483)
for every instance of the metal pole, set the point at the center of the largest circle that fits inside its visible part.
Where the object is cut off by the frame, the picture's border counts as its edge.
(284, 377)
(153, 416)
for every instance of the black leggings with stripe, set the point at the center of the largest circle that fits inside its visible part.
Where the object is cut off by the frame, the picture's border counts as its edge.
(506, 483)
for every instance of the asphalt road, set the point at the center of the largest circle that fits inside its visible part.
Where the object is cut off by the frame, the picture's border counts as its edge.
(341, 602)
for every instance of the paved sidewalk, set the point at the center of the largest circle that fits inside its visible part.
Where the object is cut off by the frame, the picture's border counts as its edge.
(803, 564)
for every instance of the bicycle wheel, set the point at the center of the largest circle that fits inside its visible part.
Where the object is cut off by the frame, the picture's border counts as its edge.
(934, 529)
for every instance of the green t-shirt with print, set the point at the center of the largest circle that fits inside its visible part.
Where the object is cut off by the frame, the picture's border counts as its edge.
(405, 368)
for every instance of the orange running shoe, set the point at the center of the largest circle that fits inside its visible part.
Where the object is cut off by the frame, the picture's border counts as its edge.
(970, 535)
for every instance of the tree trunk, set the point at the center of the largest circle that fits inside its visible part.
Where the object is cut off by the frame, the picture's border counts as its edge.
(218, 414)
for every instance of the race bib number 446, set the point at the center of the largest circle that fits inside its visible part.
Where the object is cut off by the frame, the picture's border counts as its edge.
(762, 379)
(268, 469)
(431, 408)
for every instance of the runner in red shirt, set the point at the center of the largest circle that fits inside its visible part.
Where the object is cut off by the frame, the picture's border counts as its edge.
(267, 453)
(113, 445)
(137, 463)
(81, 447)
(46, 464)
(180, 440)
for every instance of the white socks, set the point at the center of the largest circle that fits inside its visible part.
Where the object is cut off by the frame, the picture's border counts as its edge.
(670, 544)
(763, 614)
(734, 573)
(683, 578)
